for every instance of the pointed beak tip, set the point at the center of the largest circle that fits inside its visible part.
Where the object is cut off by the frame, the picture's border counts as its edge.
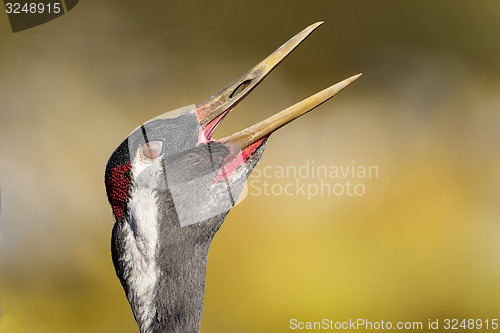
(313, 26)
(339, 86)
(354, 77)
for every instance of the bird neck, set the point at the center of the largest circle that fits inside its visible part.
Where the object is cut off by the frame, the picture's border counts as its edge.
(163, 271)
(180, 290)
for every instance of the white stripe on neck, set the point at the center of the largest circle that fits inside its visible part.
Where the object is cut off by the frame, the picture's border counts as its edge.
(141, 240)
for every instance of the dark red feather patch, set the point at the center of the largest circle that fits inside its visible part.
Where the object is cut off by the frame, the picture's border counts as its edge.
(118, 185)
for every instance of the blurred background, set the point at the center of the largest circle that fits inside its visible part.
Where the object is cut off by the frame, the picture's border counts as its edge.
(421, 243)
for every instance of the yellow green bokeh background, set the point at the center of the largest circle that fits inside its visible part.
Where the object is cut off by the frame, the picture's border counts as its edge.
(422, 243)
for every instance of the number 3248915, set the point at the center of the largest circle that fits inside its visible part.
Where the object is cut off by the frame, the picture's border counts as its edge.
(32, 8)
(471, 324)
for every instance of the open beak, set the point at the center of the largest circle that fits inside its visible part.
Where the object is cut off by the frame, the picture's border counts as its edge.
(211, 112)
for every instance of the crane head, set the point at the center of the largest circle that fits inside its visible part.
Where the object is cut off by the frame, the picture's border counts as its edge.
(204, 175)
(171, 184)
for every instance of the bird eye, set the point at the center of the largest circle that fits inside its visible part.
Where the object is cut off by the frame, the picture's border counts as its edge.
(152, 149)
